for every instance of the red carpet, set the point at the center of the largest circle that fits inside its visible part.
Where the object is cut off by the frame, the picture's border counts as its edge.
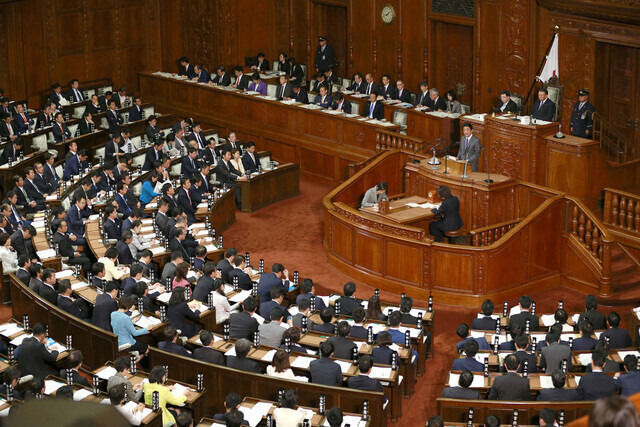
(290, 232)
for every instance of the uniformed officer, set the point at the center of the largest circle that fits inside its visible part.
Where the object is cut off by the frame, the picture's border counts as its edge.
(582, 116)
(324, 55)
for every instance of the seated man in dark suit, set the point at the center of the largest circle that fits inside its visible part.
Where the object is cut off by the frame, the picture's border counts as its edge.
(342, 346)
(586, 342)
(307, 291)
(278, 278)
(221, 78)
(552, 355)
(348, 302)
(60, 129)
(277, 298)
(22, 120)
(105, 305)
(224, 265)
(486, 323)
(206, 353)
(7, 129)
(299, 94)
(304, 310)
(24, 263)
(12, 151)
(437, 103)
(596, 318)
(522, 343)
(74, 363)
(24, 198)
(401, 93)
(186, 202)
(65, 243)
(112, 224)
(463, 332)
(114, 118)
(543, 108)
(243, 324)
(170, 343)
(324, 370)
(240, 360)
(86, 124)
(11, 375)
(558, 393)
(596, 384)
(340, 104)
(618, 338)
(22, 242)
(240, 271)
(524, 315)
(323, 99)
(357, 329)
(47, 288)
(284, 89)
(373, 109)
(363, 381)
(326, 327)
(406, 304)
(124, 253)
(510, 386)
(251, 160)
(629, 382)
(75, 165)
(34, 358)
(93, 107)
(462, 390)
(227, 175)
(231, 403)
(190, 165)
(469, 362)
(135, 112)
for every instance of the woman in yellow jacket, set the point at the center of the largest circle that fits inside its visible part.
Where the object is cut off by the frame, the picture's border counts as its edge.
(157, 379)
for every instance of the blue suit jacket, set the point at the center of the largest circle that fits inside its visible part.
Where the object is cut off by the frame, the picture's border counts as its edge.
(467, 363)
(267, 282)
(123, 206)
(584, 344)
(327, 101)
(20, 123)
(74, 221)
(204, 76)
(129, 286)
(325, 371)
(72, 167)
(482, 343)
(596, 385)
(319, 302)
(628, 383)
(267, 307)
(114, 230)
(187, 169)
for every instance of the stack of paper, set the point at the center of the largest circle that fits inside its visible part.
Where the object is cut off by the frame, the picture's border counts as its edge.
(344, 366)
(478, 381)
(9, 329)
(147, 321)
(302, 362)
(164, 297)
(268, 357)
(17, 341)
(545, 381)
(548, 319)
(178, 390)
(107, 373)
(130, 406)
(623, 354)
(64, 273)
(81, 394)
(79, 285)
(413, 332)
(241, 296)
(585, 358)
(380, 373)
(257, 413)
(50, 386)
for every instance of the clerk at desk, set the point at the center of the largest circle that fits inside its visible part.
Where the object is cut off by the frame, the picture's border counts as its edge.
(469, 147)
(374, 195)
(449, 213)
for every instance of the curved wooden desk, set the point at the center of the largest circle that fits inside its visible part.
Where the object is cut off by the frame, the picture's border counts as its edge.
(557, 240)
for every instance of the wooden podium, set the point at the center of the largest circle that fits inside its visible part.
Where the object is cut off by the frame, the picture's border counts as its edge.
(455, 166)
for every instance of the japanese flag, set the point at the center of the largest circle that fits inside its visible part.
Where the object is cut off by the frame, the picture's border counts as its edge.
(551, 65)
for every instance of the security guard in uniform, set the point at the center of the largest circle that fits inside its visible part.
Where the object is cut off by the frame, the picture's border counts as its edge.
(582, 116)
(324, 55)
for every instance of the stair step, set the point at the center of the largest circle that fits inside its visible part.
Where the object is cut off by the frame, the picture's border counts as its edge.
(621, 266)
(625, 281)
(617, 253)
(630, 296)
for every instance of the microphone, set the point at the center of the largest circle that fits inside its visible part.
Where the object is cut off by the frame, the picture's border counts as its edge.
(486, 162)
(422, 146)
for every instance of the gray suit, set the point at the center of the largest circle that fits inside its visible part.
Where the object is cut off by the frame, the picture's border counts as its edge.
(470, 152)
(119, 379)
(552, 356)
(371, 197)
(271, 334)
(297, 321)
(169, 270)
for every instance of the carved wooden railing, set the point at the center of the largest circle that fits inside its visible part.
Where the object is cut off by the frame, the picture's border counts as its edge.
(617, 146)
(386, 140)
(485, 236)
(593, 238)
(354, 168)
(622, 210)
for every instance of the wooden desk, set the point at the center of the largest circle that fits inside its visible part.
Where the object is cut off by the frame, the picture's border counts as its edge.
(270, 186)
(17, 168)
(323, 144)
(401, 213)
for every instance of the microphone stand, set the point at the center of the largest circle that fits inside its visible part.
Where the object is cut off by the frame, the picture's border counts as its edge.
(446, 160)
(486, 162)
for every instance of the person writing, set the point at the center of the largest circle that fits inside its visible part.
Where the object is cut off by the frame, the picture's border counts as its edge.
(449, 212)
(374, 195)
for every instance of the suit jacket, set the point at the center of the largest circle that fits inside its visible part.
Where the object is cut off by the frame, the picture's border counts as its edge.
(244, 281)
(531, 358)
(297, 72)
(124, 253)
(177, 313)
(51, 176)
(242, 82)
(203, 288)
(74, 220)
(261, 87)
(382, 355)
(545, 112)
(486, 323)
(510, 386)
(4, 129)
(343, 347)
(374, 87)
(325, 371)
(64, 244)
(24, 277)
(552, 355)
(176, 246)
(511, 107)
(151, 133)
(114, 118)
(57, 132)
(628, 383)
(364, 382)
(357, 87)
(84, 127)
(225, 80)
(471, 151)
(296, 320)
(325, 328)
(33, 192)
(187, 71)
(324, 104)
(582, 119)
(242, 325)
(389, 92)
(378, 110)
(169, 270)
(77, 378)
(450, 211)
(271, 334)
(226, 173)
(267, 282)
(199, 138)
(460, 393)
(584, 344)
(9, 151)
(72, 167)
(522, 317)
(346, 106)
(348, 304)
(618, 338)
(73, 97)
(93, 109)
(596, 385)
(243, 364)
(267, 307)
(285, 91)
(482, 343)
(209, 355)
(405, 96)
(174, 348)
(315, 86)
(203, 77)
(438, 104)
(225, 266)
(249, 163)
(43, 120)
(19, 243)
(358, 331)
(301, 96)
(558, 395)
(135, 113)
(319, 303)
(48, 293)
(597, 319)
(105, 305)
(467, 363)
(34, 359)
(22, 123)
(189, 167)
(422, 98)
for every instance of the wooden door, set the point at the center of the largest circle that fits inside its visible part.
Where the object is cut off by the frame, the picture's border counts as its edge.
(623, 109)
(331, 21)
(452, 46)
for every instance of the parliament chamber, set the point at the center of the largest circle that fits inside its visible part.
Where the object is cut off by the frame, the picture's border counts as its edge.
(320, 212)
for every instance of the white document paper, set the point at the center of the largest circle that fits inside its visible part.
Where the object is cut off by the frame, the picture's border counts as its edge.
(9, 329)
(50, 386)
(147, 321)
(241, 296)
(344, 366)
(251, 416)
(546, 382)
(178, 390)
(478, 381)
(585, 358)
(81, 394)
(17, 341)
(107, 373)
(302, 362)
(131, 405)
(269, 356)
(624, 354)
(380, 373)
(47, 253)
(79, 285)
(548, 319)
(230, 352)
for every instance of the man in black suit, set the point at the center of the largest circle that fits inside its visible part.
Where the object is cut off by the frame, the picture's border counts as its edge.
(94, 106)
(401, 93)
(618, 338)
(284, 89)
(543, 108)
(24, 263)
(358, 85)
(120, 98)
(221, 78)
(135, 112)
(186, 69)
(124, 253)
(209, 155)
(251, 160)
(243, 325)
(152, 131)
(299, 94)
(206, 353)
(524, 315)
(449, 212)
(240, 271)
(12, 151)
(240, 360)
(357, 328)
(105, 305)
(8, 129)
(34, 358)
(240, 81)
(65, 248)
(387, 90)
(21, 242)
(340, 104)
(326, 327)
(206, 283)
(185, 201)
(261, 63)
(510, 386)
(114, 118)
(422, 98)
(348, 302)
(56, 96)
(558, 393)
(362, 381)
(437, 103)
(21, 120)
(197, 135)
(462, 391)
(105, 99)
(49, 172)
(153, 154)
(190, 165)
(31, 188)
(73, 94)
(74, 363)
(596, 384)
(596, 318)
(324, 370)
(370, 85)
(507, 105)
(486, 323)
(373, 109)
(86, 124)
(319, 82)
(176, 244)
(31, 203)
(228, 175)
(224, 265)
(342, 346)
(60, 129)
(171, 344)
(67, 303)
(522, 343)
(406, 304)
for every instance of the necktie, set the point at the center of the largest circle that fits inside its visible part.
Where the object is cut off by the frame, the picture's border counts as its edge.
(238, 81)
(34, 186)
(25, 195)
(10, 128)
(61, 130)
(188, 196)
(369, 89)
(25, 119)
(125, 201)
(371, 110)
(541, 104)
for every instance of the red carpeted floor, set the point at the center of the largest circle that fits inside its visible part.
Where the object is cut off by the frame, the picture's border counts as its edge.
(290, 232)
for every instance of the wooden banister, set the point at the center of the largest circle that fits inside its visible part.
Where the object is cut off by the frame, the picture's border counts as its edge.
(622, 210)
(617, 146)
(386, 140)
(354, 168)
(487, 235)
